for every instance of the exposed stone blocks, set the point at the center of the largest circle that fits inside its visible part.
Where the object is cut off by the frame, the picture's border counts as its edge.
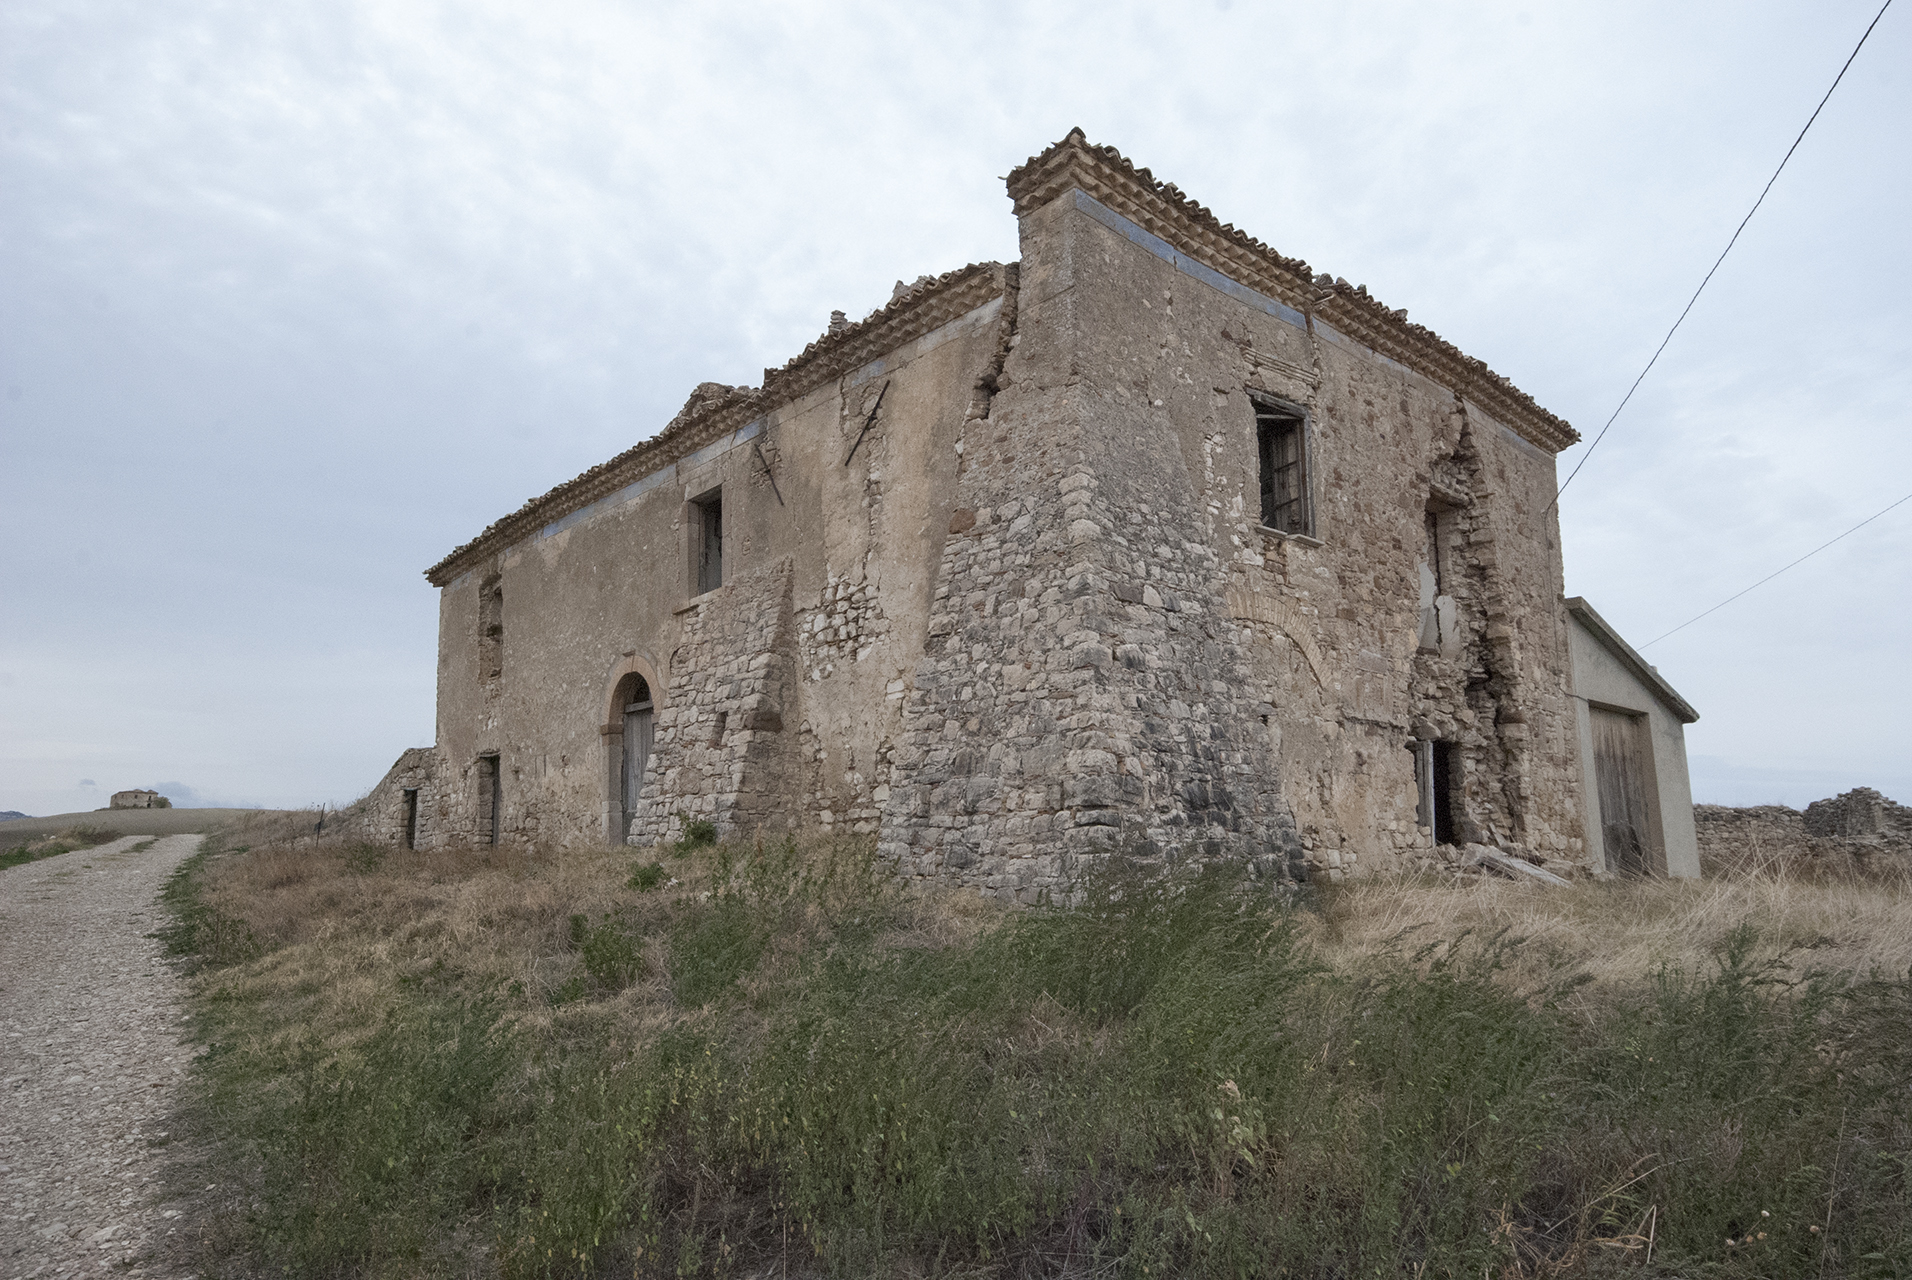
(1861, 813)
(1858, 829)
(721, 752)
(999, 592)
(381, 816)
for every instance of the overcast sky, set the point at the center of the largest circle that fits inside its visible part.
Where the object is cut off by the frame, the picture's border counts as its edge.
(296, 297)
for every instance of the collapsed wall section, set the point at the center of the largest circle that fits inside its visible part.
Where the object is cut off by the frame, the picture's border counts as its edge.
(722, 753)
(407, 808)
(1081, 686)
(1859, 831)
(1211, 683)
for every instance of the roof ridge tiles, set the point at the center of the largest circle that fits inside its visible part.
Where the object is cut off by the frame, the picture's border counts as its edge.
(1163, 210)
(906, 317)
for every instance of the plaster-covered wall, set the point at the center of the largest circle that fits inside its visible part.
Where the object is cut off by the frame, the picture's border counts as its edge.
(1603, 678)
(997, 588)
(777, 692)
(1125, 655)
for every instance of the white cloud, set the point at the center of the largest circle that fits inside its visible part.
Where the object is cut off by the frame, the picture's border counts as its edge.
(302, 295)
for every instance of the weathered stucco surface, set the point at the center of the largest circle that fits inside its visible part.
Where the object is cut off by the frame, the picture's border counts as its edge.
(1608, 674)
(997, 588)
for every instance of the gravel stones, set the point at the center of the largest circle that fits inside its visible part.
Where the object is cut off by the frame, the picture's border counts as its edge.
(91, 1052)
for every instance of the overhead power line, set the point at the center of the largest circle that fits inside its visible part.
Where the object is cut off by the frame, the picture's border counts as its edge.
(1769, 577)
(1722, 255)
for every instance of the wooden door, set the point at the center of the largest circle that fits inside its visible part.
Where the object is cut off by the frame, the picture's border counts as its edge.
(1623, 773)
(637, 752)
(494, 784)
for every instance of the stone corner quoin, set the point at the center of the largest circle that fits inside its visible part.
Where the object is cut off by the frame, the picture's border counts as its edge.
(1154, 539)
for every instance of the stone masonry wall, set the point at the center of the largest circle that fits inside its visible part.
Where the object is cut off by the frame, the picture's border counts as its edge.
(380, 816)
(1859, 814)
(1857, 830)
(720, 750)
(844, 626)
(1081, 689)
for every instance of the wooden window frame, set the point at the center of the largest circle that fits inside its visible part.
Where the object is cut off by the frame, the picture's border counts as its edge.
(706, 517)
(1285, 508)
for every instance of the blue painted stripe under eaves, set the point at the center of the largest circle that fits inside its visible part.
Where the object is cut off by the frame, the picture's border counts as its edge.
(665, 473)
(1182, 262)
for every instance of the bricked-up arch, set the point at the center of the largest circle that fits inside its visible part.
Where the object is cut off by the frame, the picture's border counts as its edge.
(632, 682)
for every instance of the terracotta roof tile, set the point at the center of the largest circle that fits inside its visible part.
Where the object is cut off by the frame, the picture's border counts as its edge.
(1161, 209)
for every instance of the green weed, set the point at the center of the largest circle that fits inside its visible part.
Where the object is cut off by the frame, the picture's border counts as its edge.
(713, 945)
(65, 842)
(1165, 1079)
(608, 950)
(364, 856)
(199, 931)
(699, 833)
(368, 1155)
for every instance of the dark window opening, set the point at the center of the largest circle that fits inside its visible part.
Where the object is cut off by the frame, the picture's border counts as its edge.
(491, 630)
(411, 817)
(1444, 790)
(717, 737)
(710, 541)
(1281, 441)
(491, 779)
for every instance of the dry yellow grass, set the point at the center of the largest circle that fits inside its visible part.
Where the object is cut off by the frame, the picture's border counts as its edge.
(346, 935)
(345, 927)
(342, 937)
(1621, 931)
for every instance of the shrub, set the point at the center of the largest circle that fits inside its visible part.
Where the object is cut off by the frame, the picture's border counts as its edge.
(713, 945)
(608, 951)
(699, 833)
(363, 856)
(1179, 1076)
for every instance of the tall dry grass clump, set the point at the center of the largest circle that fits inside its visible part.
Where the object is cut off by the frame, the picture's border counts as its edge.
(1618, 932)
(747, 1059)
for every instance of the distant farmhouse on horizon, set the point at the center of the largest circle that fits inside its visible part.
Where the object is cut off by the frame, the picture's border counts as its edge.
(1153, 539)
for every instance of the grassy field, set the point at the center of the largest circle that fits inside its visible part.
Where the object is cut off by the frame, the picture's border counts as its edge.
(14, 854)
(767, 1060)
(121, 822)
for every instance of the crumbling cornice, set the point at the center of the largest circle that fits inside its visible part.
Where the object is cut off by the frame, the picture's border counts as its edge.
(1162, 210)
(714, 411)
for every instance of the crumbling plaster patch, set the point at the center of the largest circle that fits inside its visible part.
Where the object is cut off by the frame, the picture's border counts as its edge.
(997, 587)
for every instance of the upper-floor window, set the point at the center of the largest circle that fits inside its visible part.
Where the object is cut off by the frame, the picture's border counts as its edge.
(1281, 441)
(708, 531)
(491, 629)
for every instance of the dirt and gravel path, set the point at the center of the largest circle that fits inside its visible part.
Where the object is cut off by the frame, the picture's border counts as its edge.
(91, 1051)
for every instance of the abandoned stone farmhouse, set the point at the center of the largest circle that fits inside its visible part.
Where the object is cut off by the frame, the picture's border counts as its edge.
(1154, 538)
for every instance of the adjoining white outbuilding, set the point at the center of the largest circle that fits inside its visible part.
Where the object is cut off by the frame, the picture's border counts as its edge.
(1632, 724)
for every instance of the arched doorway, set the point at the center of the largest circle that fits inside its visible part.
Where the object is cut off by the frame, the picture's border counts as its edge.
(637, 713)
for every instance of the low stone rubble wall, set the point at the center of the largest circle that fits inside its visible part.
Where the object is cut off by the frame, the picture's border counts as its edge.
(1860, 830)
